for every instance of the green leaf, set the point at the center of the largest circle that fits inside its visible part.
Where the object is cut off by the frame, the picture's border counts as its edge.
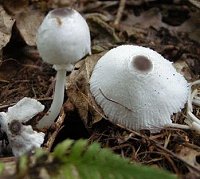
(1, 168)
(83, 161)
(60, 149)
(22, 166)
(80, 160)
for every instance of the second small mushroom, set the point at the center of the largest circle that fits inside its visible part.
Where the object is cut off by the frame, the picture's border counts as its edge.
(138, 88)
(63, 38)
(22, 138)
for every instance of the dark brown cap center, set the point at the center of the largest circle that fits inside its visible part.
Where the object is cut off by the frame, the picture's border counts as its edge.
(142, 63)
(15, 127)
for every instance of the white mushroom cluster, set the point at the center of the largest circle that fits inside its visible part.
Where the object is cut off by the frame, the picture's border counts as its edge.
(138, 88)
(62, 39)
(135, 86)
(22, 138)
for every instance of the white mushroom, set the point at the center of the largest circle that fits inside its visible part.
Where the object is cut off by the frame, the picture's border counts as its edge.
(63, 38)
(22, 138)
(138, 88)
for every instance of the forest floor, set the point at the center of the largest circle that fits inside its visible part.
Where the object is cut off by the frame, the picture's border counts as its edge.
(170, 27)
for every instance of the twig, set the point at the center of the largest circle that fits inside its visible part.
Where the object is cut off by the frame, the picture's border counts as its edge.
(166, 150)
(120, 12)
(114, 101)
(57, 126)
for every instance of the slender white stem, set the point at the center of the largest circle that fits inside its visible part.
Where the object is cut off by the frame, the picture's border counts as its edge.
(195, 82)
(192, 121)
(180, 126)
(57, 103)
(192, 124)
(189, 102)
(192, 95)
(197, 97)
(196, 101)
(193, 117)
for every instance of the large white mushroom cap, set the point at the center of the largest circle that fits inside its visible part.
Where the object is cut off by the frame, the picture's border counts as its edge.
(63, 37)
(138, 88)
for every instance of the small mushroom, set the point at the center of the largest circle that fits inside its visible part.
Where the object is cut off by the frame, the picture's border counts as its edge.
(62, 39)
(138, 88)
(22, 138)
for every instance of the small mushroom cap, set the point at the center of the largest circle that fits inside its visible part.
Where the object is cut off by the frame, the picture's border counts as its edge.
(22, 138)
(63, 37)
(138, 88)
(26, 141)
(25, 109)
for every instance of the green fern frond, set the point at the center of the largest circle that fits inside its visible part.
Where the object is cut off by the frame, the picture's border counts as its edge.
(1, 168)
(80, 160)
(90, 161)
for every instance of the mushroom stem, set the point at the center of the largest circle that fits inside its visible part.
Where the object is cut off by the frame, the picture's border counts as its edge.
(180, 126)
(192, 121)
(58, 98)
(196, 101)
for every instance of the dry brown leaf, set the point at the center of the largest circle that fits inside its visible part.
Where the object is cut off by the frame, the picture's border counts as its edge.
(15, 6)
(8, 70)
(195, 3)
(6, 24)
(153, 18)
(183, 68)
(191, 26)
(28, 23)
(103, 32)
(190, 156)
(79, 93)
(62, 3)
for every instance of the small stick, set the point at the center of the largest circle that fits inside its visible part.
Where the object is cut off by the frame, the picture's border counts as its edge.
(120, 12)
(165, 150)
